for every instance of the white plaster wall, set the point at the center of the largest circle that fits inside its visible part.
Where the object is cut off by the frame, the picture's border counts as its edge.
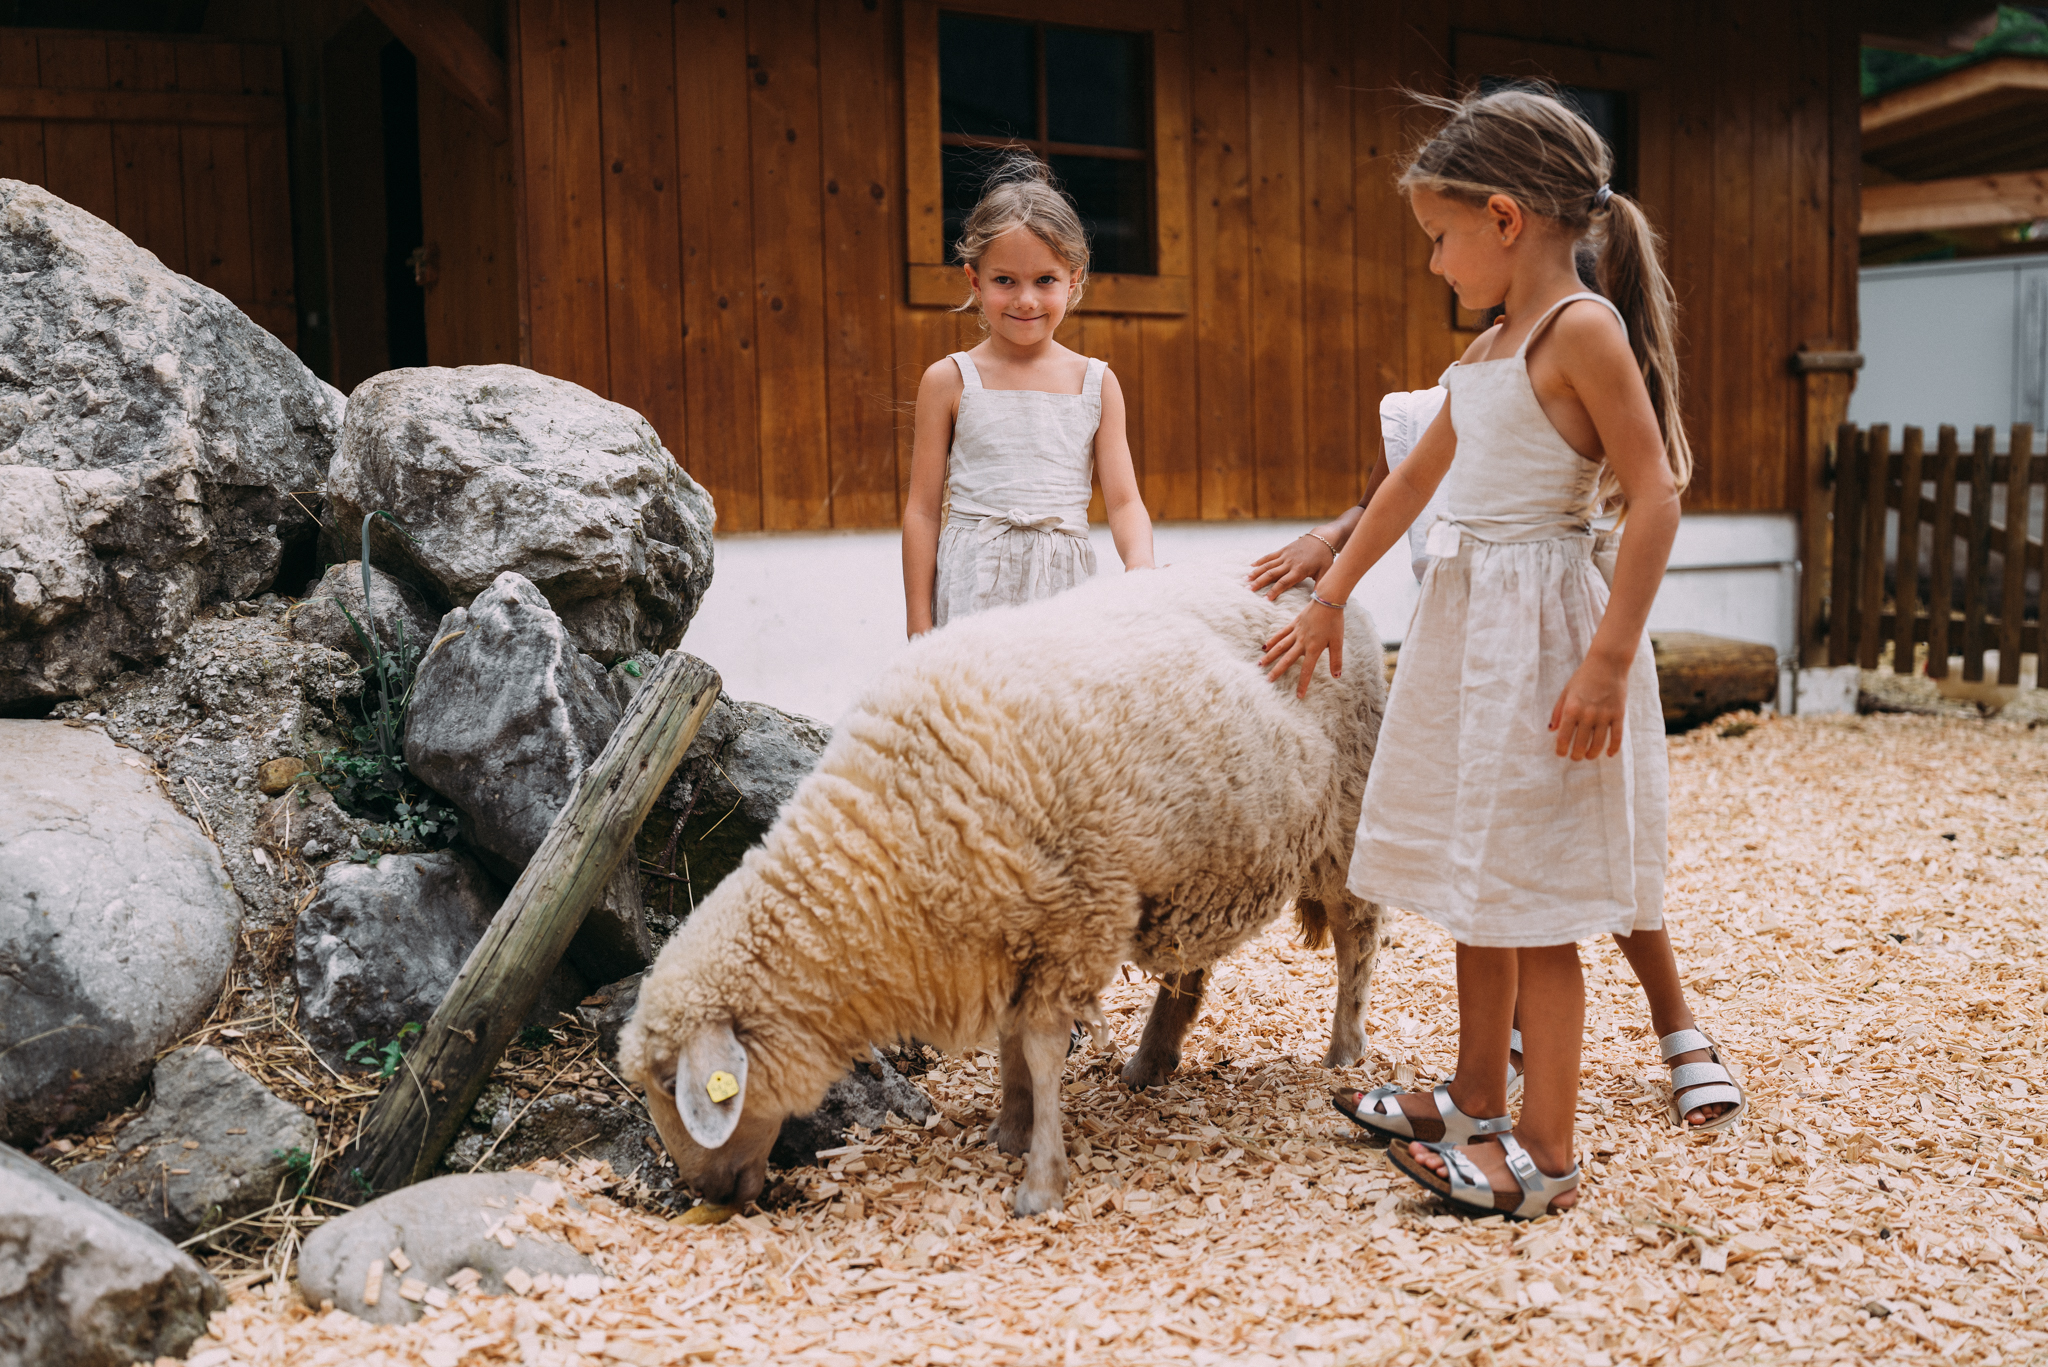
(800, 619)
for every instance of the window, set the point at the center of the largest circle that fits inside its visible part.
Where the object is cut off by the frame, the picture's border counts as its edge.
(1606, 110)
(1096, 87)
(1075, 96)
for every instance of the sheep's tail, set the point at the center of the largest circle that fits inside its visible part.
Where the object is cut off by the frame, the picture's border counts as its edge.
(1312, 923)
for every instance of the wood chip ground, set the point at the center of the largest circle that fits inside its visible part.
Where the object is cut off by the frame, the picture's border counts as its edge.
(1858, 906)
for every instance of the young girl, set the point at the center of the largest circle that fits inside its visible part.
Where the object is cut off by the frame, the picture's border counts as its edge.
(1517, 797)
(1010, 432)
(1705, 1097)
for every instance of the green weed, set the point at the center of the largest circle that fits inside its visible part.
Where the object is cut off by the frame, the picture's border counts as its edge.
(385, 1057)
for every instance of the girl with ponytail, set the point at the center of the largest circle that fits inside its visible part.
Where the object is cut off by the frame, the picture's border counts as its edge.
(1517, 795)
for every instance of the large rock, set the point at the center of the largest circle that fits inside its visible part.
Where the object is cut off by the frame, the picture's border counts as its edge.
(441, 1226)
(213, 1146)
(117, 927)
(739, 771)
(382, 943)
(151, 437)
(495, 468)
(323, 615)
(82, 1285)
(506, 715)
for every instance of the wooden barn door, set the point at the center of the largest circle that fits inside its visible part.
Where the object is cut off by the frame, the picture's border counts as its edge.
(178, 142)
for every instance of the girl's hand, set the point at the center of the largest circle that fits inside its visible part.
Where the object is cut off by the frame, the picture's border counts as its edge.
(1302, 558)
(1316, 630)
(1589, 712)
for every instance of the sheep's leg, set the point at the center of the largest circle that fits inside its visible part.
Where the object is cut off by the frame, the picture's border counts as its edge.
(1355, 930)
(1042, 1047)
(1173, 1011)
(1013, 1124)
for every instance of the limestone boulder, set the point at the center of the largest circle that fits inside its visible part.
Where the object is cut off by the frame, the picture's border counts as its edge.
(381, 944)
(213, 1146)
(322, 616)
(117, 927)
(441, 1227)
(497, 468)
(158, 450)
(505, 717)
(82, 1285)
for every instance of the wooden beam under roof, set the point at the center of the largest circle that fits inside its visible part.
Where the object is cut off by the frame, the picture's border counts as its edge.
(1961, 96)
(454, 53)
(1963, 202)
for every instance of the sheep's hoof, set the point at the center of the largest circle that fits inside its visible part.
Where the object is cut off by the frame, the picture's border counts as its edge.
(1033, 1201)
(1146, 1071)
(1344, 1052)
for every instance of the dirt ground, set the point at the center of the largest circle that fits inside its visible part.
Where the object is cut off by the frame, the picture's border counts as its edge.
(1858, 904)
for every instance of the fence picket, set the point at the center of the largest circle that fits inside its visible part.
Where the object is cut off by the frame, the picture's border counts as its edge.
(1906, 626)
(2012, 598)
(1876, 462)
(1842, 574)
(1977, 565)
(1942, 562)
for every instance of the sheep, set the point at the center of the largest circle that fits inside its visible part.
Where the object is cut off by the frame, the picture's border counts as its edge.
(1029, 798)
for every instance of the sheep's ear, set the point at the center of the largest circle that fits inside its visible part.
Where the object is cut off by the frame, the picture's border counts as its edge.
(711, 1084)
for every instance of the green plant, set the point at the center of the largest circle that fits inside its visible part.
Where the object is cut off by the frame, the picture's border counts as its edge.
(372, 779)
(297, 1163)
(386, 1057)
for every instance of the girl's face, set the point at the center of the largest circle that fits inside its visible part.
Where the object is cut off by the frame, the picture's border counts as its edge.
(1472, 246)
(1024, 287)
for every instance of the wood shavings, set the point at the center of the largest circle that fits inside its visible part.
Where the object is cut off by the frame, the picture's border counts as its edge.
(1857, 906)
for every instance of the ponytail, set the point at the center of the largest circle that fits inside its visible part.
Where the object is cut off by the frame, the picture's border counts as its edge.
(1631, 274)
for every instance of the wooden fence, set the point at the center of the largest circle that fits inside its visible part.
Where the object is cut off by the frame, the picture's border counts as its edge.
(1933, 547)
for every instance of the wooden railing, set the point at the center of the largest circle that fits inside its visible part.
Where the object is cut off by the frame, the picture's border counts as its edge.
(1969, 585)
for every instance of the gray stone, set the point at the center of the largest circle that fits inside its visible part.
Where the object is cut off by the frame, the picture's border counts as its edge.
(744, 764)
(213, 1146)
(82, 1285)
(496, 468)
(608, 1009)
(864, 1097)
(117, 927)
(505, 717)
(320, 618)
(568, 1125)
(151, 439)
(382, 943)
(441, 1225)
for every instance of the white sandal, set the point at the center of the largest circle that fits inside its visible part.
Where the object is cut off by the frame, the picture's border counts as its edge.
(1703, 1084)
(1373, 1114)
(1470, 1193)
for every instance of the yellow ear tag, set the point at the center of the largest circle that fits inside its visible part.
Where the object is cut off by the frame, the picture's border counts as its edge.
(722, 1086)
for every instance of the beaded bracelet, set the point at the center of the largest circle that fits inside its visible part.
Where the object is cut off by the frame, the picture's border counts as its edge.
(1315, 597)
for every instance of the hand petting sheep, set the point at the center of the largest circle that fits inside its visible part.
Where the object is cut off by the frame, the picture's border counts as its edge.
(1030, 798)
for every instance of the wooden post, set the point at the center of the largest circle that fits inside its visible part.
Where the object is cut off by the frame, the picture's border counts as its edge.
(1825, 379)
(2012, 596)
(413, 1122)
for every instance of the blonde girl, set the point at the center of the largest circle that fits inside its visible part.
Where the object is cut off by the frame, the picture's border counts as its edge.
(1517, 796)
(1010, 435)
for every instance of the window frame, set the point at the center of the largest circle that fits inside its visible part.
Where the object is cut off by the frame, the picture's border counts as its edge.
(933, 280)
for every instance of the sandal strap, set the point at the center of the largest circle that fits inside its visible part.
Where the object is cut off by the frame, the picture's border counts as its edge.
(1684, 1042)
(1539, 1189)
(1460, 1128)
(1515, 1042)
(1697, 1075)
(1373, 1112)
(1469, 1186)
(1713, 1094)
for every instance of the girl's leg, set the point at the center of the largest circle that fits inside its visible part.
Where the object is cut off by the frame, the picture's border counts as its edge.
(1486, 1002)
(1552, 1009)
(1649, 955)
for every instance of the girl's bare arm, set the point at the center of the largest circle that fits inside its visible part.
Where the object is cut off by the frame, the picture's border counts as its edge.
(938, 400)
(1305, 557)
(1129, 524)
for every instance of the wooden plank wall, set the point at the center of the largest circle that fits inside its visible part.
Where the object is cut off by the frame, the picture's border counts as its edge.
(201, 181)
(712, 218)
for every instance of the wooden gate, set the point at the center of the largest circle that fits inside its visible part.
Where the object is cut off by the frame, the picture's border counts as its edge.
(1933, 547)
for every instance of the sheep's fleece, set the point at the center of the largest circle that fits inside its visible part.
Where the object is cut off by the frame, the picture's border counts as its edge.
(1030, 797)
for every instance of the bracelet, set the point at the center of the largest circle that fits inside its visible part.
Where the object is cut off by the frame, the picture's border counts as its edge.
(1315, 597)
(1326, 546)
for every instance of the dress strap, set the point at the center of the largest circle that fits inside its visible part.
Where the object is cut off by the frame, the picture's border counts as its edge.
(1091, 384)
(1523, 350)
(969, 376)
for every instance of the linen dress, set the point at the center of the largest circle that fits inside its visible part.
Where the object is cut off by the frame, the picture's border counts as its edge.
(1470, 817)
(1017, 485)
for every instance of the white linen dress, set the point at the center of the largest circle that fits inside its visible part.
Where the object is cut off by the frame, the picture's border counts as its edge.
(1470, 817)
(1017, 485)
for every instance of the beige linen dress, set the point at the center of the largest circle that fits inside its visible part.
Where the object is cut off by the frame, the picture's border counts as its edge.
(1470, 818)
(1017, 485)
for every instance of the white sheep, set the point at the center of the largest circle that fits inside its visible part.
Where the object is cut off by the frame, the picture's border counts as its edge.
(1029, 798)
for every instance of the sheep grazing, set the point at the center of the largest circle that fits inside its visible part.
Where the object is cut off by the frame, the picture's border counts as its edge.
(1030, 798)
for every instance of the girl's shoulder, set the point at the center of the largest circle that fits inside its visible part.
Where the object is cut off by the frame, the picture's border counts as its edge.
(1482, 348)
(942, 376)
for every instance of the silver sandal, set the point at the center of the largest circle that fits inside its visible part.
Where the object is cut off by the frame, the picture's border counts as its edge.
(1469, 1192)
(1514, 1073)
(1703, 1084)
(1459, 1128)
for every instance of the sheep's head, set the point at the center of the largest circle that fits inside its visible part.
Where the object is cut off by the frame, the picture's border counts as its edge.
(696, 1084)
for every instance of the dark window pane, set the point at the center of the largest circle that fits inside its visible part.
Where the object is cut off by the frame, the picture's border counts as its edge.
(1606, 110)
(1095, 87)
(963, 172)
(988, 84)
(1115, 200)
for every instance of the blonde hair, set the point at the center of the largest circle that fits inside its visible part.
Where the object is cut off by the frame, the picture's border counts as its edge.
(1022, 192)
(1523, 142)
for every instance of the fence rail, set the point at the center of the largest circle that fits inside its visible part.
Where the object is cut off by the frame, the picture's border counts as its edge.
(1940, 547)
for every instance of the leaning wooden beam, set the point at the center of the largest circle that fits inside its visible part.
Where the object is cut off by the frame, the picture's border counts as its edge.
(1960, 96)
(413, 1122)
(1931, 206)
(456, 54)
